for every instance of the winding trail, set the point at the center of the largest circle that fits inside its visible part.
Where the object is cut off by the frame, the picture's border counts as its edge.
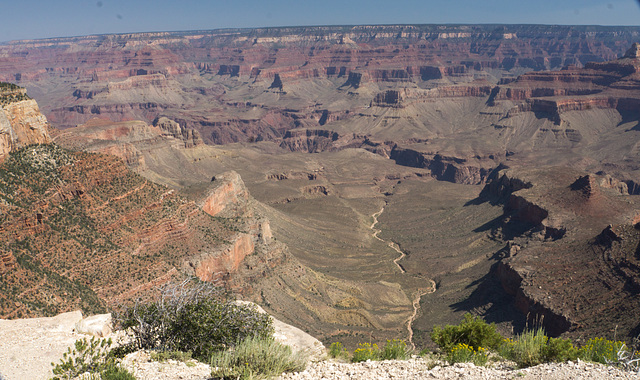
(420, 292)
(391, 244)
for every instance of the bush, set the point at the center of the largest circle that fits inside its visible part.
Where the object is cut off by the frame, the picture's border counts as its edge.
(395, 349)
(92, 357)
(472, 331)
(256, 357)
(86, 356)
(526, 349)
(601, 350)
(559, 350)
(337, 351)
(463, 353)
(113, 372)
(366, 351)
(196, 319)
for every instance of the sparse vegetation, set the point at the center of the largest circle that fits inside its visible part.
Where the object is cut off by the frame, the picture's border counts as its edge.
(188, 317)
(472, 331)
(601, 350)
(338, 351)
(256, 357)
(463, 353)
(525, 349)
(10, 93)
(529, 348)
(92, 357)
(366, 351)
(395, 349)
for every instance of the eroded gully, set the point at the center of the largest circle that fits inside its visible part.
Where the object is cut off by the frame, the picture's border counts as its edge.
(419, 292)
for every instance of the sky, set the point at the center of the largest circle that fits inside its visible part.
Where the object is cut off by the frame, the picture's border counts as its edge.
(32, 19)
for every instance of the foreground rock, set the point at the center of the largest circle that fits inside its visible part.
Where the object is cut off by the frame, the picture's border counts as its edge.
(29, 346)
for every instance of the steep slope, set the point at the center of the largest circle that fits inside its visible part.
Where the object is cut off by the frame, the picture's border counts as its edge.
(81, 230)
(21, 122)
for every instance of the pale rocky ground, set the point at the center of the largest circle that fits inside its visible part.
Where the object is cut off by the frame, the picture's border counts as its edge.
(28, 346)
(419, 368)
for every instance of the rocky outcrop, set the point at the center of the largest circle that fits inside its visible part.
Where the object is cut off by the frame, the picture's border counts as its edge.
(443, 168)
(406, 97)
(22, 123)
(536, 310)
(172, 129)
(218, 265)
(227, 192)
(291, 336)
(319, 140)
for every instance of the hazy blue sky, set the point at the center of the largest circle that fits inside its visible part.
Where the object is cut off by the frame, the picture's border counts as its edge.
(53, 18)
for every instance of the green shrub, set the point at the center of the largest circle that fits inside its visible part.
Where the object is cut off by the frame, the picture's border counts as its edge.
(463, 353)
(473, 331)
(337, 351)
(526, 348)
(256, 357)
(395, 350)
(559, 350)
(601, 350)
(366, 351)
(90, 356)
(196, 319)
(114, 372)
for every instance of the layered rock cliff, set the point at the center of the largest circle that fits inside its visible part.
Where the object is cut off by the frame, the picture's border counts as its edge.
(147, 75)
(21, 122)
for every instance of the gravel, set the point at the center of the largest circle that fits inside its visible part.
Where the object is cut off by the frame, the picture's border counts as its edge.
(417, 368)
(428, 369)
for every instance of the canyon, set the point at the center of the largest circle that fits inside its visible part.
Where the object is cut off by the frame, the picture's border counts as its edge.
(505, 158)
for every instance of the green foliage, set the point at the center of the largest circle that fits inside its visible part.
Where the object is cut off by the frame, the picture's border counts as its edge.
(10, 93)
(526, 348)
(89, 356)
(114, 372)
(196, 319)
(533, 347)
(463, 353)
(473, 331)
(559, 350)
(256, 357)
(366, 351)
(338, 351)
(601, 350)
(395, 350)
